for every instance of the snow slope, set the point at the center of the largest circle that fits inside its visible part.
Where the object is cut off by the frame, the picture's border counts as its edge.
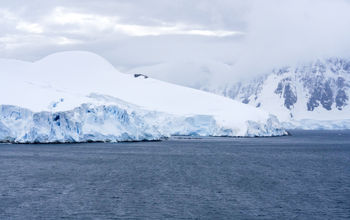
(79, 96)
(313, 95)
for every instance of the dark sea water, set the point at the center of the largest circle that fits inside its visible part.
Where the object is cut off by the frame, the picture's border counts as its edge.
(304, 176)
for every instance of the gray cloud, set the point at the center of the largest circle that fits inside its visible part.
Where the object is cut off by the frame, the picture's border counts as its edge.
(127, 33)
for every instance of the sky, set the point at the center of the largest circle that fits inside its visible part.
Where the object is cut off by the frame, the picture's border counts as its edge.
(247, 37)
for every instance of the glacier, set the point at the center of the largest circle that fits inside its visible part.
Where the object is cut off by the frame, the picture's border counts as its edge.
(80, 97)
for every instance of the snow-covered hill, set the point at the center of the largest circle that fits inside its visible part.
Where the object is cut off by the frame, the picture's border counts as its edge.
(311, 96)
(79, 96)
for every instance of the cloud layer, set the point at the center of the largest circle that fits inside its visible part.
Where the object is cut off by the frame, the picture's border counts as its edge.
(248, 37)
(290, 32)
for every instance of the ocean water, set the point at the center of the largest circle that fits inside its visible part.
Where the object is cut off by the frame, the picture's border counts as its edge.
(303, 176)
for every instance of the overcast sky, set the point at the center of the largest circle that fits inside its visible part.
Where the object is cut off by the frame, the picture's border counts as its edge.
(250, 35)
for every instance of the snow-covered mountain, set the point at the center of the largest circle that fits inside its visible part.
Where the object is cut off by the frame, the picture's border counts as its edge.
(79, 96)
(311, 96)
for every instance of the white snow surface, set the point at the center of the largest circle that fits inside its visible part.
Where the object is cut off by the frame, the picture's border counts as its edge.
(78, 96)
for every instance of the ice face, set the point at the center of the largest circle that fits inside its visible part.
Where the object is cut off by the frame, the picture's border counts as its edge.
(112, 124)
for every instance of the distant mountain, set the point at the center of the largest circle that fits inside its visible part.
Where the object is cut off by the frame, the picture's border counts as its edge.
(314, 95)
